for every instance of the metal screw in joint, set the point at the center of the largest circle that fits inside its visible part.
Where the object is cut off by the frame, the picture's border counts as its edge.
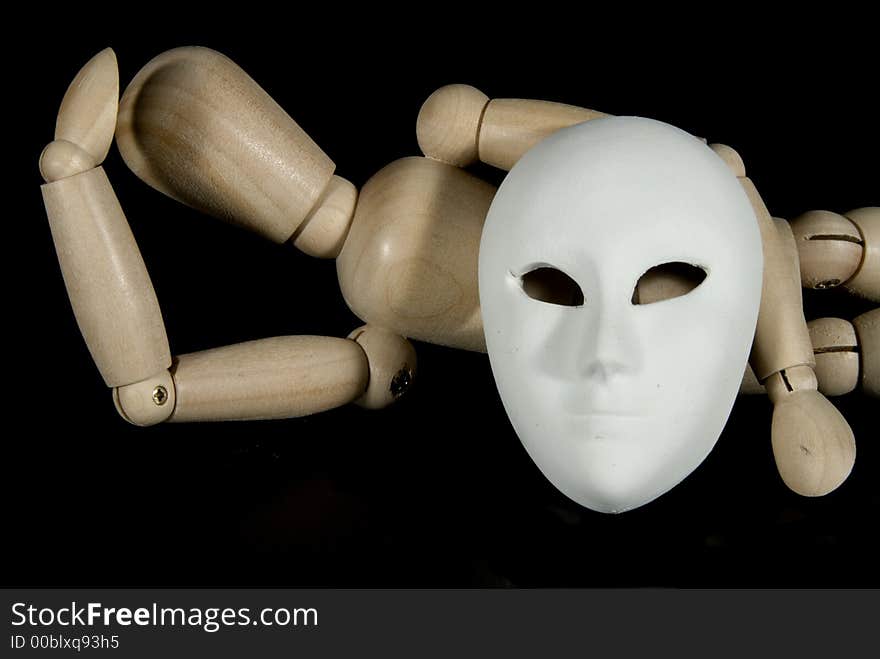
(401, 382)
(160, 395)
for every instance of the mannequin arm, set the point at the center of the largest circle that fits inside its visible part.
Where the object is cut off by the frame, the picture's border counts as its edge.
(107, 283)
(193, 125)
(813, 445)
(291, 376)
(847, 356)
(119, 316)
(275, 378)
(830, 249)
(459, 125)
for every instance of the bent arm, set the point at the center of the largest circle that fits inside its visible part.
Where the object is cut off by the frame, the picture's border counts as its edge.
(118, 312)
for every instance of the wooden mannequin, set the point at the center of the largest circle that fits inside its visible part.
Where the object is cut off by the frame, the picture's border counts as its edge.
(193, 125)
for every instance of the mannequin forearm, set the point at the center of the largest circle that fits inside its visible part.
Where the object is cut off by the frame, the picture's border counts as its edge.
(459, 125)
(106, 279)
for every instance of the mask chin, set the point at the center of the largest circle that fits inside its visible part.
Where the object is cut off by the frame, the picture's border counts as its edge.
(620, 277)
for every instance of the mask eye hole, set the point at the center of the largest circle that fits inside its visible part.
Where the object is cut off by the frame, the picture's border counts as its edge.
(666, 281)
(551, 285)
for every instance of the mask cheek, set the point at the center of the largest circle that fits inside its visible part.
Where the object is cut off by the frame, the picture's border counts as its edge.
(679, 347)
(524, 327)
(697, 364)
(689, 389)
(519, 347)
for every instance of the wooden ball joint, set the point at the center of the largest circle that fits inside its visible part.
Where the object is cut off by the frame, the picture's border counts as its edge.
(840, 250)
(197, 128)
(392, 361)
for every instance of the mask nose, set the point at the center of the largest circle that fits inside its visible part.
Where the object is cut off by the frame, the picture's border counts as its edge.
(609, 347)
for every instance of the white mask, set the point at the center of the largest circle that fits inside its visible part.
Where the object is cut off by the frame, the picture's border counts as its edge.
(617, 402)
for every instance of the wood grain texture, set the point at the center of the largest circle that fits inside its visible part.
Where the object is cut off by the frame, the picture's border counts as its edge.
(409, 264)
(61, 159)
(510, 127)
(449, 123)
(867, 328)
(393, 364)
(835, 346)
(783, 383)
(106, 279)
(812, 443)
(838, 357)
(829, 248)
(196, 127)
(322, 234)
(274, 378)
(87, 116)
(866, 282)
(781, 337)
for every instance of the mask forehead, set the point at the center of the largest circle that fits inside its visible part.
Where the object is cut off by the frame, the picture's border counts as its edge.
(621, 190)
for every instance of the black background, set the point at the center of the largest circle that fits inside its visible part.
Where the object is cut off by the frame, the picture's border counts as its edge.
(436, 490)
